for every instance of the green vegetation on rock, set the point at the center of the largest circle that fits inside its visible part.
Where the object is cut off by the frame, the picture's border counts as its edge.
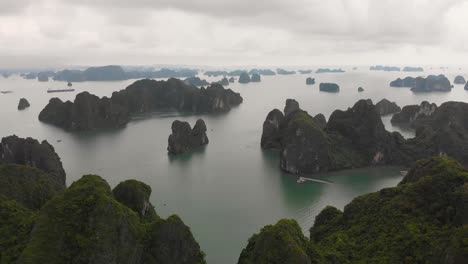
(422, 220)
(135, 195)
(28, 186)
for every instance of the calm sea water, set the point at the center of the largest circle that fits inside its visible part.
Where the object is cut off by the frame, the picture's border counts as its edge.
(230, 189)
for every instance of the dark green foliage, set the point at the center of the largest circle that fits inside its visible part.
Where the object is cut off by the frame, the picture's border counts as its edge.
(415, 222)
(16, 223)
(135, 195)
(28, 186)
(422, 220)
(86, 224)
(281, 243)
(170, 241)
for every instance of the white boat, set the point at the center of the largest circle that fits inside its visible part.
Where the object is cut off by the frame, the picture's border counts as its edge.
(301, 180)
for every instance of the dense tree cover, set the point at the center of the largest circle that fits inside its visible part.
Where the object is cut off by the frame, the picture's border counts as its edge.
(88, 223)
(422, 220)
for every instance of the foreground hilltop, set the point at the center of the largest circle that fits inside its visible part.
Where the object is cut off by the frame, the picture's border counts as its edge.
(422, 220)
(41, 221)
(89, 112)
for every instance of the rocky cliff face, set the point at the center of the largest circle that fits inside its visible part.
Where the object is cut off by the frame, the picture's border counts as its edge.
(29, 152)
(196, 81)
(329, 87)
(415, 226)
(244, 78)
(184, 138)
(87, 112)
(310, 81)
(90, 112)
(23, 104)
(411, 113)
(406, 82)
(459, 80)
(432, 83)
(255, 78)
(357, 137)
(385, 107)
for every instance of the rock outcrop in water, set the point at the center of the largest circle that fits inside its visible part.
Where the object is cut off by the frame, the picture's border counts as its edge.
(224, 81)
(432, 83)
(385, 107)
(244, 78)
(307, 144)
(413, 69)
(91, 112)
(459, 80)
(29, 152)
(329, 70)
(384, 68)
(440, 130)
(329, 87)
(196, 81)
(284, 72)
(406, 82)
(87, 112)
(255, 78)
(310, 81)
(357, 137)
(23, 104)
(184, 138)
(117, 73)
(409, 223)
(360, 89)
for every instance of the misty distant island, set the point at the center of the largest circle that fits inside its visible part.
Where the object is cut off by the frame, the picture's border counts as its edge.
(326, 70)
(384, 68)
(432, 83)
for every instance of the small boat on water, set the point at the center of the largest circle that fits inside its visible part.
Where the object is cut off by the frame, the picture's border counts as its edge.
(403, 172)
(6, 92)
(301, 180)
(60, 90)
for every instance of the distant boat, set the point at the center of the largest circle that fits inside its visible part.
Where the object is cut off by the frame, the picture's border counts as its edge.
(404, 172)
(6, 92)
(60, 90)
(301, 180)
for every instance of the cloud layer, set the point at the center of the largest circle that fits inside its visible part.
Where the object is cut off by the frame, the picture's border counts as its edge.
(216, 32)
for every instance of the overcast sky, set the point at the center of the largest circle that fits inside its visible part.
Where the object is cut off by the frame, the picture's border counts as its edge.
(232, 32)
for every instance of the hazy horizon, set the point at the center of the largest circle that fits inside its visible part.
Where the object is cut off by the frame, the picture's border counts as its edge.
(62, 33)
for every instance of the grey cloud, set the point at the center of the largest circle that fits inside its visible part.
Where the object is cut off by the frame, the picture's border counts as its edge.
(229, 30)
